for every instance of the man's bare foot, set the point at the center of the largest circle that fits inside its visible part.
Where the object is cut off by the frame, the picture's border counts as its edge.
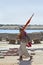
(30, 58)
(20, 58)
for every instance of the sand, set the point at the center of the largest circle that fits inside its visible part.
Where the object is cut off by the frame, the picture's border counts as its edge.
(13, 60)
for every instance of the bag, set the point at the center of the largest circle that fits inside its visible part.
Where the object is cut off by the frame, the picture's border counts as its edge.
(29, 44)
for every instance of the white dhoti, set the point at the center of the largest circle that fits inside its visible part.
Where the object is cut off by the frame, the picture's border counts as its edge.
(23, 50)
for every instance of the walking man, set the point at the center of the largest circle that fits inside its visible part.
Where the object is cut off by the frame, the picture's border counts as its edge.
(24, 39)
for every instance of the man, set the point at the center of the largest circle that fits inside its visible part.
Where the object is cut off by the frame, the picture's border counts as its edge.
(23, 37)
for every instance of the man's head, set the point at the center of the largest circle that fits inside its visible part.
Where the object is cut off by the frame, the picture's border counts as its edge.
(21, 30)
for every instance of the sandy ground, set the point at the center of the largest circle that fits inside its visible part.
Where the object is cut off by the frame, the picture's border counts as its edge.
(9, 60)
(13, 60)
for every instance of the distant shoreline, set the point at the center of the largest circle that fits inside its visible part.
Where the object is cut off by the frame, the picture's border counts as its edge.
(16, 27)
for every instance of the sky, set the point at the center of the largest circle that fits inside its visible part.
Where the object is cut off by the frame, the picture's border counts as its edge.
(19, 11)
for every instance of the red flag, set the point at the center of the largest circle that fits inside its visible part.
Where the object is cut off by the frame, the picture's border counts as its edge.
(27, 22)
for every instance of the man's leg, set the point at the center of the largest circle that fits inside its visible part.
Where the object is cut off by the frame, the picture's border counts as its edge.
(30, 58)
(20, 58)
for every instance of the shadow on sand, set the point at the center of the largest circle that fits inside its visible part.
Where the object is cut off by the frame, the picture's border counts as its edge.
(25, 62)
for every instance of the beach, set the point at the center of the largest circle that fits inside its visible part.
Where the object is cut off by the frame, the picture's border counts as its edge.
(12, 60)
(36, 50)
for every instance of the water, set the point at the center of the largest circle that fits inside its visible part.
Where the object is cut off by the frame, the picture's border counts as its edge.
(17, 31)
